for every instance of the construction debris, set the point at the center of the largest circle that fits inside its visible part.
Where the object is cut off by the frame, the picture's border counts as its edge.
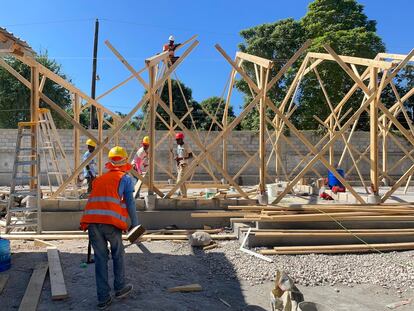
(211, 246)
(285, 296)
(397, 304)
(41, 243)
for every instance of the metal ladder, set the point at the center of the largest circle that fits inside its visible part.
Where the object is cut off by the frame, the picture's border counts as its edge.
(25, 181)
(56, 165)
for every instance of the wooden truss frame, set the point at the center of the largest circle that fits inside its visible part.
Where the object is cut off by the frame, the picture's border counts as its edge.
(340, 125)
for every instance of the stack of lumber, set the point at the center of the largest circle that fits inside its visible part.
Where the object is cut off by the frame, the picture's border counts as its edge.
(326, 228)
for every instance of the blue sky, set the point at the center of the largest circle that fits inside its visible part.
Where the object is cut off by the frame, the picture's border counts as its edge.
(138, 30)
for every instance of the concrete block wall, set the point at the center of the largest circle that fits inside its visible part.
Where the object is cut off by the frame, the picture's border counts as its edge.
(236, 159)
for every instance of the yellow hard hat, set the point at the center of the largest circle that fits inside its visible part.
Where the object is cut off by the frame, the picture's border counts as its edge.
(146, 140)
(117, 151)
(90, 142)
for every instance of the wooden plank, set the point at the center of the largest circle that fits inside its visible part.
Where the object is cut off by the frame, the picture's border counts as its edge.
(17, 75)
(287, 235)
(349, 247)
(393, 56)
(186, 288)
(402, 218)
(34, 288)
(154, 60)
(185, 236)
(263, 62)
(218, 214)
(57, 281)
(354, 60)
(3, 281)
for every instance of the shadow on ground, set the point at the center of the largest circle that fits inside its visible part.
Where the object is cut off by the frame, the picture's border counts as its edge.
(151, 273)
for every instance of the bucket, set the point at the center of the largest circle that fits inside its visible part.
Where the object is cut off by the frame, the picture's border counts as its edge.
(5, 256)
(312, 306)
(272, 190)
(210, 192)
(332, 180)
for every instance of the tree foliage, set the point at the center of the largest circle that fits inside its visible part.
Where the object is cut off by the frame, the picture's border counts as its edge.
(340, 23)
(15, 97)
(183, 100)
(215, 107)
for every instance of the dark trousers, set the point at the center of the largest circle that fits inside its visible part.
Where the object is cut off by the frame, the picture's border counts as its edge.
(100, 235)
(90, 179)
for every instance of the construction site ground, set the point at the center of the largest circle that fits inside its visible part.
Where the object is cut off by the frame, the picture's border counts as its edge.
(231, 280)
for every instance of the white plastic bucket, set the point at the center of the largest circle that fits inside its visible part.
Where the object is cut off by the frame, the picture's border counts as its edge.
(271, 190)
(312, 306)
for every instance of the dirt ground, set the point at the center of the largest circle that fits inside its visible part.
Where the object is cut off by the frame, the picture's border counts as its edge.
(153, 267)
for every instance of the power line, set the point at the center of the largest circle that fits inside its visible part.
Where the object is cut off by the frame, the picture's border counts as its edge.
(62, 21)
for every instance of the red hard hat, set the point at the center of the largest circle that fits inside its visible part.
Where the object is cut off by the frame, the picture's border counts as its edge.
(179, 135)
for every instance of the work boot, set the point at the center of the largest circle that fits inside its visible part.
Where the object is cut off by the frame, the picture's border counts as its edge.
(105, 304)
(124, 292)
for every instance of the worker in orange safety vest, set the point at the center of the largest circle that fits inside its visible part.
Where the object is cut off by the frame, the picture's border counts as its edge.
(170, 47)
(106, 217)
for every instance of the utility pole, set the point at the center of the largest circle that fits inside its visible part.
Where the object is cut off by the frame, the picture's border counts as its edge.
(93, 121)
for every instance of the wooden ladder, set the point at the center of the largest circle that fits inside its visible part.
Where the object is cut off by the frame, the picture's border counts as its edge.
(57, 167)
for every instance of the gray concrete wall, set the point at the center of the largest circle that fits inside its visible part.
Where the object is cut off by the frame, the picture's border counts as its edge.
(248, 140)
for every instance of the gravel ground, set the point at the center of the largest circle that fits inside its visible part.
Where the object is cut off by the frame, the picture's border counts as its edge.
(343, 282)
(393, 270)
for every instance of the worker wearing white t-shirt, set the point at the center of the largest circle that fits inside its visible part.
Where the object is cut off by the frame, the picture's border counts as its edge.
(140, 162)
(181, 159)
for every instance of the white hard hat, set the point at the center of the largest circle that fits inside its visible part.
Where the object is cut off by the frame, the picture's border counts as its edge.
(171, 38)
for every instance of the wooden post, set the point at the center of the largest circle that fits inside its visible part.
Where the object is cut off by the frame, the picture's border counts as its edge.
(374, 174)
(34, 117)
(262, 128)
(331, 148)
(152, 115)
(384, 148)
(171, 129)
(76, 134)
(225, 116)
(100, 138)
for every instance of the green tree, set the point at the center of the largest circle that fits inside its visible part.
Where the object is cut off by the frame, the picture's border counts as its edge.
(215, 107)
(275, 41)
(340, 23)
(180, 103)
(15, 97)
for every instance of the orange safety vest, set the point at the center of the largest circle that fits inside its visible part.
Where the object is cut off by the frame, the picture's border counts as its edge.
(104, 205)
(170, 49)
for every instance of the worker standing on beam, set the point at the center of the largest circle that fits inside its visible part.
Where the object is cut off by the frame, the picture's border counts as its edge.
(140, 162)
(105, 217)
(170, 47)
(181, 158)
(89, 172)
